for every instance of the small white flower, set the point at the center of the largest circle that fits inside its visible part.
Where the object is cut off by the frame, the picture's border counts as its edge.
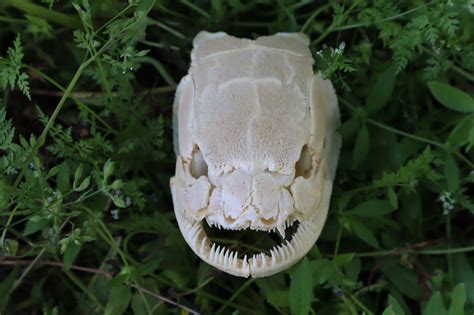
(115, 214)
(128, 201)
(447, 201)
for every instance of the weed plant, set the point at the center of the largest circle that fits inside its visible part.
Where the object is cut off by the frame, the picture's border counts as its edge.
(86, 219)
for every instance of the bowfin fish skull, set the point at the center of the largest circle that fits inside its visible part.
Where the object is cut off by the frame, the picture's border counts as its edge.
(256, 145)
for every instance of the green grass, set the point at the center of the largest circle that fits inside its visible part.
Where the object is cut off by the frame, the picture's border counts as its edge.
(86, 219)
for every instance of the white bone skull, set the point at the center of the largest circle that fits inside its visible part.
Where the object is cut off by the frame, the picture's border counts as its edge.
(256, 145)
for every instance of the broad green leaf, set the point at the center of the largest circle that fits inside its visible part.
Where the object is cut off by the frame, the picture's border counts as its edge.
(389, 311)
(352, 269)
(452, 97)
(405, 280)
(34, 224)
(460, 134)
(77, 176)
(83, 186)
(301, 289)
(372, 208)
(108, 169)
(343, 259)
(62, 178)
(364, 233)
(70, 254)
(396, 307)
(392, 197)
(458, 300)
(463, 273)
(361, 147)
(451, 173)
(435, 305)
(119, 299)
(274, 289)
(381, 92)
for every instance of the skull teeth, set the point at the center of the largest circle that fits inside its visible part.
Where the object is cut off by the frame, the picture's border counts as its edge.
(279, 257)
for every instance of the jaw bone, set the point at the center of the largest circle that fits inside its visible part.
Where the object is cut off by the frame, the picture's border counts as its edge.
(259, 265)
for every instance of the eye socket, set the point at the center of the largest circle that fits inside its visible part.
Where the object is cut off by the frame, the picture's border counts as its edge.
(198, 165)
(304, 163)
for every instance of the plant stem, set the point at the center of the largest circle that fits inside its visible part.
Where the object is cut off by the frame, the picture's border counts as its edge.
(411, 136)
(349, 305)
(361, 305)
(42, 138)
(236, 294)
(46, 14)
(83, 288)
(338, 240)
(449, 254)
(313, 16)
(390, 18)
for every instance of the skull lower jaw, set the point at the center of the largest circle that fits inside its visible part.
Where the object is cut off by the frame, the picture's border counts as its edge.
(259, 265)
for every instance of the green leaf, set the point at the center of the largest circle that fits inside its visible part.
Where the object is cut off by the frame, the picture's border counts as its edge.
(405, 280)
(435, 305)
(389, 311)
(34, 224)
(451, 173)
(460, 134)
(353, 269)
(83, 186)
(118, 201)
(396, 307)
(70, 254)
(343, 259)
(392, 197)
(62, 178)
(458, 300)
(119, 299)
(364, 233)
(77, 175)
(463, 273)
(451, 97)
(301, 289)
(275, 289)
(382, 90)
(361, 147)
(372, 208)
(108, 169)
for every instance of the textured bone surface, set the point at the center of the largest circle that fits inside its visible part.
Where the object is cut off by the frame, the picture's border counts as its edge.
(256, 145)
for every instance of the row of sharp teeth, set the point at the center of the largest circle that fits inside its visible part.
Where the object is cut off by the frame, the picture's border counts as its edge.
(281, 229)
(226, 259)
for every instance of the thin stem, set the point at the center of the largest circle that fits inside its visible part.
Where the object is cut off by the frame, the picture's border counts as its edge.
(196, 8)
(349, 305)
(331, 28)
(235, 295)
(164, 299)
(159, 67)
(83, 288)
(42, 138)
(338, 240)
(27, 270)
(74, 95)
(411, 136)
(390, 18)
(361, 305)
(167, 28)
(313, 16)
(44, 13)
(55, 264)
(9, 221)
(448, 235)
